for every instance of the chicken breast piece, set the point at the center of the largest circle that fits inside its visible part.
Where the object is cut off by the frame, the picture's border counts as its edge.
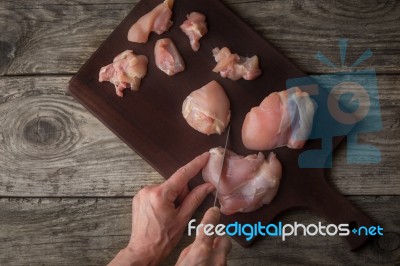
(126, 71)
(246, 183)
(167, 57)
(283, 119)
(207, 109)
(233, 66)
(157, 20)
(195, 27)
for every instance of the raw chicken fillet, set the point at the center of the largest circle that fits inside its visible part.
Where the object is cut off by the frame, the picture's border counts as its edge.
(195, 27)
(157, 20)
(283, 119)
(246, 183)
(233, 66)
(207, 109)
(126, 71)
(167, 57)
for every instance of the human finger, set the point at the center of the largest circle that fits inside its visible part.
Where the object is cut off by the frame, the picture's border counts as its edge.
(222, 245)
(180, 178)
(211, 216)
(183, 254)
(182, 195)
(193, 201)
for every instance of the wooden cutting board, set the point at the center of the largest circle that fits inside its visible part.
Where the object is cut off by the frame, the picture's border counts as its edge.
(151, 123)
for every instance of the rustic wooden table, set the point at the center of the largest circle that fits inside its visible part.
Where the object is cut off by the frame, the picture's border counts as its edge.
(66, 181)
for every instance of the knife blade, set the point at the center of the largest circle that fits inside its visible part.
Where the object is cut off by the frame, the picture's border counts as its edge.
(222, 166)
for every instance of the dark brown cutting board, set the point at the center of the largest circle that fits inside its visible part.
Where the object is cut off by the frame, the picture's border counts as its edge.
(151, 123)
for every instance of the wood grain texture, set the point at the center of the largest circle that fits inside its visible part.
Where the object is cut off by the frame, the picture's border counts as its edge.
(91, 231)
(51, 146)
(54, 36)
(59, 36)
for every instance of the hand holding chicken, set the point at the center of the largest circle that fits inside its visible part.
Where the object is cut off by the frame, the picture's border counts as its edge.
(246, 183)
(160, 214)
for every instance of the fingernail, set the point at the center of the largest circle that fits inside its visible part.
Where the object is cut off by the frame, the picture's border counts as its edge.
(205, 154)
(216, 210)
(210, 189)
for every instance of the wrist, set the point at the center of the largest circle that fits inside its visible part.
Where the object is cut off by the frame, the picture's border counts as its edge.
(141, 255)
(128, 257)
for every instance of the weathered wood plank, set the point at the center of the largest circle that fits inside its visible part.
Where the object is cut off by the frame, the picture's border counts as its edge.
(54, 36)
(91, 231)
(51, 146)
(59, 36)
(365, 179)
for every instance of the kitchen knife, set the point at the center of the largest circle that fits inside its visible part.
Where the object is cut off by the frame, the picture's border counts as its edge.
(222, 166)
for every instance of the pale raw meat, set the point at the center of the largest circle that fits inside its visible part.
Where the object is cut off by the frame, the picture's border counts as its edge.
(167, 57)
(157, 20)
(283, 119)
(195, 27)
(233, 66)
(207, 109)
(126, 71)
(246, 183)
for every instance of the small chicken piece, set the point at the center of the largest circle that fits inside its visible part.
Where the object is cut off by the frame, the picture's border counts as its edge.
(167, 57)
(157, 20)
(246, 183)
(126, 71)
(283, 119)
(233, 66)
(207, 109)
(195, 27)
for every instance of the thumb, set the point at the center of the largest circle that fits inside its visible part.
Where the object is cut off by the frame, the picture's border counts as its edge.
(221, 248)
(222, 245)
(193, 201)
